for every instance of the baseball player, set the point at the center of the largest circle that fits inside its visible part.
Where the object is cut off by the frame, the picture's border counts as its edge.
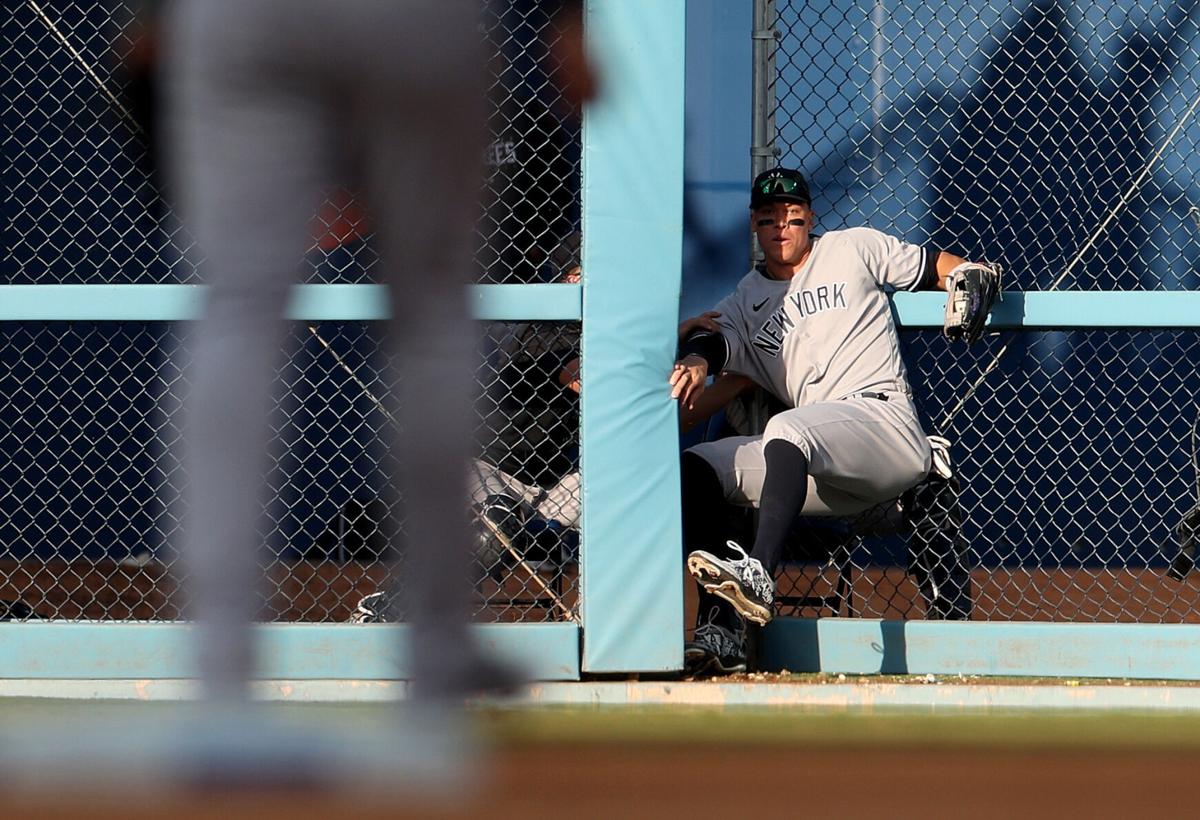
(813, 326)
(269, 102)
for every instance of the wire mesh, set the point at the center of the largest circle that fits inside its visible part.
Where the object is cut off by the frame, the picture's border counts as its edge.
(1005, 131)
(82, 208)
(90, 485)
(89, 496)
(1059, 139)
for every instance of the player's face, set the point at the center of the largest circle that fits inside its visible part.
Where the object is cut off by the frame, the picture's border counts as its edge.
(782, 230)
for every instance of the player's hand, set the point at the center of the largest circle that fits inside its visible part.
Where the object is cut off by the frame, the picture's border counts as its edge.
(687, 379)
(702, 322)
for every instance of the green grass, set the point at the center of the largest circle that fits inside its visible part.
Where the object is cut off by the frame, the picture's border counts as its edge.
(829, 728)
(808, 727)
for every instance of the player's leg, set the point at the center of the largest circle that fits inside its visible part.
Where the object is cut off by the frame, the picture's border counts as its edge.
(485, 479)
(859, 444)
(553, 528)
(562, 501)
(937, 551)
(739, 466)
(422, 133)
(784, 491)
(245, 174)
(866, 448)
(855, 453)
(500, 505)
(718, 644)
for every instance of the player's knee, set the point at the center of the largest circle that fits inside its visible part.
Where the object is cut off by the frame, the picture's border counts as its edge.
(910, 472)
(780, 430)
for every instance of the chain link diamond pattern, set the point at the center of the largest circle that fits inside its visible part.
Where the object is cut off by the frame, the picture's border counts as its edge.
(1060, 139)
(90, 484)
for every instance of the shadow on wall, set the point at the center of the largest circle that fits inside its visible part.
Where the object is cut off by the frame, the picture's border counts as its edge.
(1084, 459)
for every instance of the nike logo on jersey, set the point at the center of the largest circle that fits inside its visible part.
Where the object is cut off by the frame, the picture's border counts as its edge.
(797, 306)
(758, 307)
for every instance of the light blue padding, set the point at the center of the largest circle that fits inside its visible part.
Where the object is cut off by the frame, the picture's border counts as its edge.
(632, 601)
(1061, 310)
(1064, 650)
(525, 303)
(122, 303)
(1057, 309)
(114, 650)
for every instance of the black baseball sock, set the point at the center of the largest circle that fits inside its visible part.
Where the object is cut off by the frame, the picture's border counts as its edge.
(785, 487)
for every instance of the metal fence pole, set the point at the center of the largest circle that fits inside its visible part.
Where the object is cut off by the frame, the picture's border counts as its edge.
(763, 152)
(762, 148)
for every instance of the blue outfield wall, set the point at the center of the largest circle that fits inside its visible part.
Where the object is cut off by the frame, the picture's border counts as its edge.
(863, 646)
(632, 518)
(550, 652)
(68, 650)
(631, 565)
(173, 303)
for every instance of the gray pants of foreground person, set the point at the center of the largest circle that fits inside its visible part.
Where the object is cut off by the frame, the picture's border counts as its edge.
(270, 102)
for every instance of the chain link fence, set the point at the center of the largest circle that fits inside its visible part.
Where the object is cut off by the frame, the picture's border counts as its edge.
(1059, 139)
(89, 485)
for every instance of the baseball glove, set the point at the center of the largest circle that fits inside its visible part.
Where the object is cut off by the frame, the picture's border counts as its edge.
(973, 288)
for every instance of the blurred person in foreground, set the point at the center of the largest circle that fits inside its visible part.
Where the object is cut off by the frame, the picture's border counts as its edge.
(269, 104)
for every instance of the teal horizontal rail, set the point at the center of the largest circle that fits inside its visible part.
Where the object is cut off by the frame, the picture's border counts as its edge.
(1032, 310)
(171, 303)
(1065, 310)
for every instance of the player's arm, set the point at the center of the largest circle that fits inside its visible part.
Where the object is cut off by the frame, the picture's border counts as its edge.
(973, 289)
(703, 351)
(943, 263)
(937, 266)
(705, 321)
(972, 286)
(724, 389)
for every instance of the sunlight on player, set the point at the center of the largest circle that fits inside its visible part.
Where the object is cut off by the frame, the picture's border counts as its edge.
(813, 326)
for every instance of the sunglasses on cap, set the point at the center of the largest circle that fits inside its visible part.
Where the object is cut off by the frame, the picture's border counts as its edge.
(781, 185)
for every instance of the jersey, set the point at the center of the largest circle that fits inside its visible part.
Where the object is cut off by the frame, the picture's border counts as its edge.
(827, 333)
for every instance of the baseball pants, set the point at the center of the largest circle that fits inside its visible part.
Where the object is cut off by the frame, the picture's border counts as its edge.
(558, 503)
(270, 103)
(861, 451)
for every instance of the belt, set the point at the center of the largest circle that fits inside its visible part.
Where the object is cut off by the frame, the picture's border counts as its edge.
(867, 394)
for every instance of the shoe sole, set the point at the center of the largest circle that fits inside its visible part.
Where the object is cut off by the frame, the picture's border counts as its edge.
(696, 665)
(717, 583)
(703, 662)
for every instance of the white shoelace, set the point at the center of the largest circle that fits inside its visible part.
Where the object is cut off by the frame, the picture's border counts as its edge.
(752, 573)
(718, 640)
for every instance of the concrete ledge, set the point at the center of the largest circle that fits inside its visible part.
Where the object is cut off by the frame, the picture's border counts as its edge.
(919, 694)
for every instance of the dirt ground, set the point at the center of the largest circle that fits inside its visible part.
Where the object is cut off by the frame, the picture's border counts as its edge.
(607, 781)
(666, 762)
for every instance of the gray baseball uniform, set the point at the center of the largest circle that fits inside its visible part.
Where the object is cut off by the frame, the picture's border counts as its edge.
(818, 342)
(267, 98)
